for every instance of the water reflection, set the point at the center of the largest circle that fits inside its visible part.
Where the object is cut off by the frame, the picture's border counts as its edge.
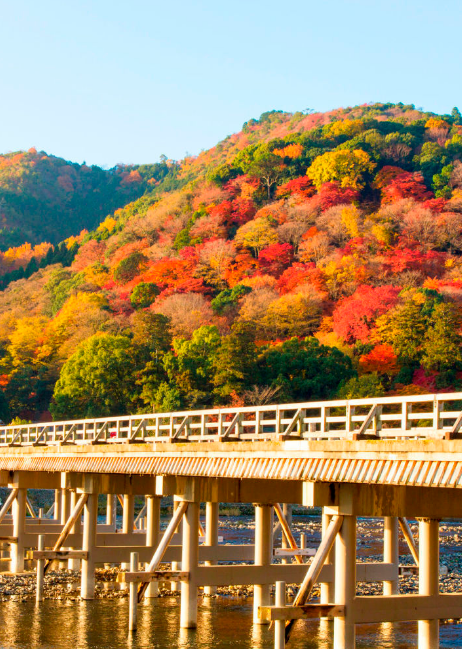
(222, 622)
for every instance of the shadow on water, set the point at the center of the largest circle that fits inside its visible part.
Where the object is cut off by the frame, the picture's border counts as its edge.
(223, 623)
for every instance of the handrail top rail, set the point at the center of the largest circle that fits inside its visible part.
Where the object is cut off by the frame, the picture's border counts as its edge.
(306, 405)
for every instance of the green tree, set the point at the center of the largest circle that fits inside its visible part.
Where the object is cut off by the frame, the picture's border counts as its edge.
(362, 387)
(129, 267)
(404, 327)
(235, 364)
(143, 295)
(268, 168)
(98, 380)
(190, 366)
(304, 369)
(456, 116)
(229, 298)
(441, 348)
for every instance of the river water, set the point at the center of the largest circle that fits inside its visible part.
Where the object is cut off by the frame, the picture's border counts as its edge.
(222, 622)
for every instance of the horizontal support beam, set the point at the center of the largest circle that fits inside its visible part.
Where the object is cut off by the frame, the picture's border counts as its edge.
(60, 554)
(155, 575)
(308, 611)
(403, 608)
(229, 490)
(288, 552)
(351, 499)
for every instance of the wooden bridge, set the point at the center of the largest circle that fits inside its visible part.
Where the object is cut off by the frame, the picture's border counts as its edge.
(394, 458)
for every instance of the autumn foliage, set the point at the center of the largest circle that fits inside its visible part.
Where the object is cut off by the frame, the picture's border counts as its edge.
(308, 256)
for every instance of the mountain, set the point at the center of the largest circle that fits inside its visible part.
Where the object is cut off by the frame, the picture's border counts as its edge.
(45, 198)
(309, 256)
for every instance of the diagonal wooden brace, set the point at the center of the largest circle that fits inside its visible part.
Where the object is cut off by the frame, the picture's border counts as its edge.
(235, 421)
(407, 533)
(180, 429)
(163, 545)
(287, 531)
(68, 526)
(304, 592)
(8, 502)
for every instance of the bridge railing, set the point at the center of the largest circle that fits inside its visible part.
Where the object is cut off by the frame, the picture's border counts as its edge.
(422, 416)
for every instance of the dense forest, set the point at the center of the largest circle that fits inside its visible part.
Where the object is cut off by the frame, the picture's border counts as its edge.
(309, 256)
(45, 198)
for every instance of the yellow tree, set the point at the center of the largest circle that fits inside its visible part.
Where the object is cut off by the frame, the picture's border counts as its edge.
(343, 166)
(257, 234)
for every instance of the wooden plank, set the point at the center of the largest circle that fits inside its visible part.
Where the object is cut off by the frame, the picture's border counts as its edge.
(406, 608)
(59, 554)
(309, 611)
(155, 575)
(288, 552)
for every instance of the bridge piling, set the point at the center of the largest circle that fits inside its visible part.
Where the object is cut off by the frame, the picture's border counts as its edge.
(345, 583)
(176, 565)
(428, 630)
(327, 587)
(263, 556)
(90, 518)
(391, 553)
(74, 564)
(18, 509)
(211, 537)
(65, 512)
(111, 511)
(189, 563)
(152, 536)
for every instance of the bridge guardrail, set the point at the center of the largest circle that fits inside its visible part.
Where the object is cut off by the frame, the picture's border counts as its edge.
(412, 417)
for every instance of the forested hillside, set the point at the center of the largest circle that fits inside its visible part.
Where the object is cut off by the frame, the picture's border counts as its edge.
(47, 199)
(307, 257)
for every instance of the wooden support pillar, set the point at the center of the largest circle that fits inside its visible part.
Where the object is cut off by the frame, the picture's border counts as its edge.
(133, 600)
(263, 556)
(111, 511)
(391, 553)
(40, 570)
(90, 517)
(128, 519)
(280, 625)
(176, 565)
(211, 537)
(152, 535)
(327, 588)
(345, 583)
(189, 562)
(287, 511)
(18, 510)
(74, 564)
(428, 578)
(57, 508)
(65, 511)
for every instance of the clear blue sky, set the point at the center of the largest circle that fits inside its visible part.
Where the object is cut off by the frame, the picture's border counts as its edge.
(110, 81)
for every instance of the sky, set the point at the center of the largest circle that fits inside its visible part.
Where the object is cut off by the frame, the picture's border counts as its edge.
(109, 81)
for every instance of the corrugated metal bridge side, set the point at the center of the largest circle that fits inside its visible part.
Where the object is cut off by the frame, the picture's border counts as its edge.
(430, 463)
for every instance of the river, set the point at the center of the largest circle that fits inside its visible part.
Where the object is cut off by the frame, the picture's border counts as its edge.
(222, 622)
